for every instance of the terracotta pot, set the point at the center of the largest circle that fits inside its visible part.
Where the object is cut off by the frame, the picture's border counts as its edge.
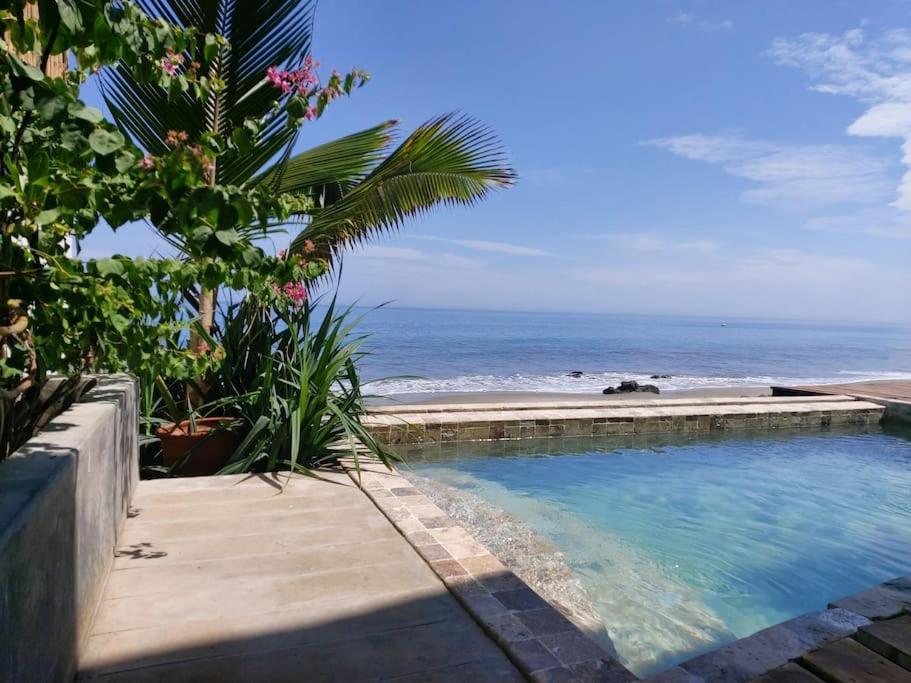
(210, 445)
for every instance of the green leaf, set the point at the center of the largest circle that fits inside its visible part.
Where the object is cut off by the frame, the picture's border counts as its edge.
(69, 15)
(47, 216)
(50, 107)
(39, 166)
(90, 114)
(210, 48)
(109, 266)
(243, 139)
(23, 69)
(125, 162)
(104, 141)
(227, 237)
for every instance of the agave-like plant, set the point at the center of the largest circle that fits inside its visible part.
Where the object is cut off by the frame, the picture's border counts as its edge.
(289, 376)
(359, 185)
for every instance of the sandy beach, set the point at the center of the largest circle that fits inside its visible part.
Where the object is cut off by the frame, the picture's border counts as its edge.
(544, 396)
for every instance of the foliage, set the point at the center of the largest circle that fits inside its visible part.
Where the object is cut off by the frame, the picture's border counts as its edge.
(354, 187)
(63, 168)
(288, 374)
(208, 102)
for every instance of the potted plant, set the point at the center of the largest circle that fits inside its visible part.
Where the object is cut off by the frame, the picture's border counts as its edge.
(192, 445)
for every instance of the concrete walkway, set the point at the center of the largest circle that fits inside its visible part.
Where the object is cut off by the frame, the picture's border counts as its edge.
(227, 579)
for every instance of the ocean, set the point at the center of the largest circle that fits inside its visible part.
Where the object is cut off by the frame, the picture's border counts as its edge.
(470, 351)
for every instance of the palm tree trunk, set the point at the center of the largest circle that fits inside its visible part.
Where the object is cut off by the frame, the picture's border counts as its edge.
(206, 308)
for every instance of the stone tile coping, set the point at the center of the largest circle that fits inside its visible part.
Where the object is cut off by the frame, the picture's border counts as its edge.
(541, 642)
(599, 403)
(856, 631)
(617, 419)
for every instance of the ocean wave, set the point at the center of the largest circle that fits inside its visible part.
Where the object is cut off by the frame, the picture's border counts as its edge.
(596, 382)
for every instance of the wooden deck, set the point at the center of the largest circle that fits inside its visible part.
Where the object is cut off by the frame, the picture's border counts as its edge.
(880, 651)
(887, 390)
(893, 394)
(861, 638)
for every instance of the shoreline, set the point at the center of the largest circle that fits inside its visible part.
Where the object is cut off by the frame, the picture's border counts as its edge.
(545, 396)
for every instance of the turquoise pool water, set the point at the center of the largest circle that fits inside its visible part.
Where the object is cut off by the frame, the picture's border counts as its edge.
(685, 545)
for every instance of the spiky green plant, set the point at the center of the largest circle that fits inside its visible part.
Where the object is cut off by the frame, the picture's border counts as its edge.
(289, 373)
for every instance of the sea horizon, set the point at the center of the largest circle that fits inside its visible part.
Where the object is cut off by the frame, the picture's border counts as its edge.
(356, 305)
(430, 351)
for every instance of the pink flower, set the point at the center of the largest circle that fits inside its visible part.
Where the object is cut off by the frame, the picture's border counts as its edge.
(296, 292)
(203, 347)
(274, 76)
(168, 67)
(301, 81)
(309, 247)
(282, 253)
(311, 113)
(147, 162)
(175, 137)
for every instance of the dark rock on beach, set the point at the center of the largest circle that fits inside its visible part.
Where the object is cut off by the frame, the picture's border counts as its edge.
(630, 387)
(575, 373)
(660, 377)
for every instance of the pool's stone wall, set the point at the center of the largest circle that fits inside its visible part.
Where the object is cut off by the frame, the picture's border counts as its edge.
(543, 644)
(494, 422)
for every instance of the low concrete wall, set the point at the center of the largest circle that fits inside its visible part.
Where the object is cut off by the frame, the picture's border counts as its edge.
(63, 499)
(896, 411)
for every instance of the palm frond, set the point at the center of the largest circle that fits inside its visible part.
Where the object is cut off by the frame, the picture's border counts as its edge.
(450, 160)
(260, 34)
(327, 172)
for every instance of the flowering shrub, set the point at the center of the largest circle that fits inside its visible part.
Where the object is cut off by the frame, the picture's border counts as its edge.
(66, 168)
(312, 98)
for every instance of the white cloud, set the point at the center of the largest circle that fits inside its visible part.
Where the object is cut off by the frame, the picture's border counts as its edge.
(771, 282)
(775, 282)
(789, 174)
(886, 221)
(876, 72)
(492, 247)
(644, 242)
(689, 19)
(376, 251)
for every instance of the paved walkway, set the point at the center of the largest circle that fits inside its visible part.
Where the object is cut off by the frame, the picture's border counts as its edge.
(223, 579)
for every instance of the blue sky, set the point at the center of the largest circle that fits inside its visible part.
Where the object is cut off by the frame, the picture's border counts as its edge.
(674, 157)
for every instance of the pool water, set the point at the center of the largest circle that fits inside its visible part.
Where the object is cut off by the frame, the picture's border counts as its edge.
(684, 545)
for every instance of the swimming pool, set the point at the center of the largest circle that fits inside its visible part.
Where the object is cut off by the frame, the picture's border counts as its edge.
(684, 545)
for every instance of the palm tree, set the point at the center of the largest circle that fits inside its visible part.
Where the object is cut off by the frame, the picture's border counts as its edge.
(358, 186)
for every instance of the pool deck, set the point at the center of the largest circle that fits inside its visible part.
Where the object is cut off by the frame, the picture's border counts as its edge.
(233, 579)
(236, 578)
(442, 423)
